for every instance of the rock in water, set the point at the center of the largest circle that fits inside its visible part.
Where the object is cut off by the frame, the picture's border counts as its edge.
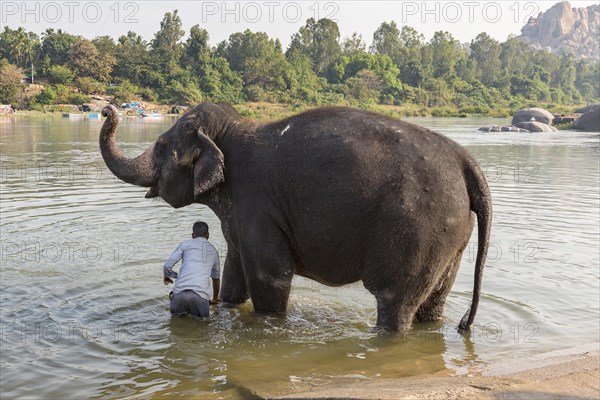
(590, 121)
(534, 126)
(587, 108)
(538, 114)
(502, 128)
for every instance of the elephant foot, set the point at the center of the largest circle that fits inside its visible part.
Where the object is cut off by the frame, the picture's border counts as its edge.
(230, 304)
(429, 315)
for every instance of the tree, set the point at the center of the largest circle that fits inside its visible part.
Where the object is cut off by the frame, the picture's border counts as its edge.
(319, 40)
(486, 53)
(410, 48)
(305, 84)
(105, 45)
(411, 43)
(386, 40)
(353, 44)
(588, 79)
(133, 59)
(55, 46)
(166, 48)
(124, 92)
(88, 85)
(196, 50)
(259, 60)
(412, 73)
(443, 48)
(20, 48)
(566, 73)
(364, 86)
(46, 96)
(85, 60)
(515, 56)
(10, 83)
(60, 74)
(219, 82)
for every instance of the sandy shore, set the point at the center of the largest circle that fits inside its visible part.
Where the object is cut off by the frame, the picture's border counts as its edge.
(565, 374)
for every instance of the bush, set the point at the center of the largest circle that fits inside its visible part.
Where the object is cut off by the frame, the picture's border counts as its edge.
(46, 96)
(148, 94)
(35, 106)
(88, 85)
(124, 92)
(254, 93)
(247, 113)
(444, 112)
(567, 126)
(62, 94)
(77, 98)
(477, 109)
(60, 74)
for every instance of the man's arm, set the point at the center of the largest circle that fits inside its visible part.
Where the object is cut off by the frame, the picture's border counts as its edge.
(170, 263)
(215, 274)
(216, 287)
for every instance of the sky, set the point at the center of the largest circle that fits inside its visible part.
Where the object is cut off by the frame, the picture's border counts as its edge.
(279, 19)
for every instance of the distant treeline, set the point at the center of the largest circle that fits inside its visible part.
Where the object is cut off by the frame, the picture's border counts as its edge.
(317, 68)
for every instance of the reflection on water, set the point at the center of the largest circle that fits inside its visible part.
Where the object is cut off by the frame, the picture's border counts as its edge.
(84, 313)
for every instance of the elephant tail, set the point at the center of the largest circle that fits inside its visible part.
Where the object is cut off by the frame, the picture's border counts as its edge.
(481, 205)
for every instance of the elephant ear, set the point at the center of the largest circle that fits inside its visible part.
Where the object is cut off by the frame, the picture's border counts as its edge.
(209, 168)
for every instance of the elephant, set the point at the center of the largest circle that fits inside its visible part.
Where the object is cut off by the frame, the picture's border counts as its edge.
(334, 194)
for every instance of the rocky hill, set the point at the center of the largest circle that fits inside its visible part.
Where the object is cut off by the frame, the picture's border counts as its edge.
(562, 28)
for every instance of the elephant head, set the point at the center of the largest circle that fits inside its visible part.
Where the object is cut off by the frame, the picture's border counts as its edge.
(183, 164)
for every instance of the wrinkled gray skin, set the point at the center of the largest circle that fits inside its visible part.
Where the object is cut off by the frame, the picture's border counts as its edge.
(337, 195)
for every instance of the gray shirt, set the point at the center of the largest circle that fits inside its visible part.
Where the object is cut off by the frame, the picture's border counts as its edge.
(200, 261)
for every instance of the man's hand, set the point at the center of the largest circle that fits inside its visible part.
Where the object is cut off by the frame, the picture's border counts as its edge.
(214, 301)
(167, 280)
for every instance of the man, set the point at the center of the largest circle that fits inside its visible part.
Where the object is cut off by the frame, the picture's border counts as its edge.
(192, 291)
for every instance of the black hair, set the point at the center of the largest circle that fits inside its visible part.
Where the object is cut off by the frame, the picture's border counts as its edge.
(200, 229)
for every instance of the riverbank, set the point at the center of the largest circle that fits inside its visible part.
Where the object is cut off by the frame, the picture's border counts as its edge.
(262, 111)
(564, 374)
(570, 374)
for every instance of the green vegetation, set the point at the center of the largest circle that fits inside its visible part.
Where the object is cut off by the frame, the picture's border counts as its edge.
(400, 74)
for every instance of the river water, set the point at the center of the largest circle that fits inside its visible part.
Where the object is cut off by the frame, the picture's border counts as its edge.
(84, 313)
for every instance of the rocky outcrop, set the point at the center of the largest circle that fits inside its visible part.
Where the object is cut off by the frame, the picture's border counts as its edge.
(589, 121)
(587, 108)
(502, 128)
(533, 114)
(563, 29)
(534, 126)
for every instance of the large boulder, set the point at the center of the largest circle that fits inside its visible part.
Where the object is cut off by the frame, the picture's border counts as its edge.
(538, 114)
(535, 126)
(590, 121)
(587, 108)
(563, 29)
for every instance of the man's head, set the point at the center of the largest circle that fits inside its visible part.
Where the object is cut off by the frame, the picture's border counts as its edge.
(200, 229)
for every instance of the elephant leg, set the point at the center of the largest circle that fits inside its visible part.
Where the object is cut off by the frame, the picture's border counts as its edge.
(397, 299)
(399, 281)
(395, 313)
(234, 288)
(269, 271)
(433, 308)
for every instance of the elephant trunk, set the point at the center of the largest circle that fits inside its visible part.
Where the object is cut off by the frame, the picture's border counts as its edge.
(140, 170)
